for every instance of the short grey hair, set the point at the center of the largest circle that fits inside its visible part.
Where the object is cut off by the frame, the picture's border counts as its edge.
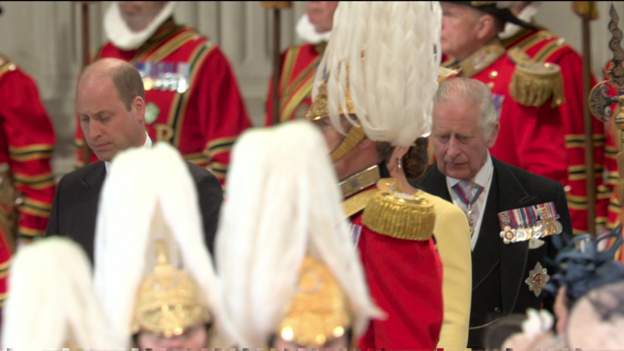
(474, 92)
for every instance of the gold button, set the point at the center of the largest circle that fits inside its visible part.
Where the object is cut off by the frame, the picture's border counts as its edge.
(493, 74)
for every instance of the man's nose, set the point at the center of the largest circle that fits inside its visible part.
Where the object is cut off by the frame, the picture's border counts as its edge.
(453, 149)
(94, 130)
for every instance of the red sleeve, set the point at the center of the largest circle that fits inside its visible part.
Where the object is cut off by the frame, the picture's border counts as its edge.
(222, 113)
(405, 281)
(539, 139)
(571, 111)
(30, 138)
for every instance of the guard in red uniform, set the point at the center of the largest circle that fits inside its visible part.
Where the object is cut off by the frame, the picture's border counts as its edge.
(528, 94)
(26, 181)
(193, 101)
(542, 46)
(298, 63)
(361, 124)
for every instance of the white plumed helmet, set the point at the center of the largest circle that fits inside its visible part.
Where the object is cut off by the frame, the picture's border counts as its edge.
(283, 204)
(385, 57)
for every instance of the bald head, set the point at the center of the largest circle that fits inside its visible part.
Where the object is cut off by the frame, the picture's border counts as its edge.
(124, 76)
(111, 107)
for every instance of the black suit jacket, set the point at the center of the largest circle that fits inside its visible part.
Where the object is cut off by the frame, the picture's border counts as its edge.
(499, 270)
(77, 198)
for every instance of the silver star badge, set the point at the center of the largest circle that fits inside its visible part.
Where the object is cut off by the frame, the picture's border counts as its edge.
(537, 279)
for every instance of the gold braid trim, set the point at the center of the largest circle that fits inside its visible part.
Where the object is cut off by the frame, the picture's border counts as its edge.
(534, 83)
(399, 215)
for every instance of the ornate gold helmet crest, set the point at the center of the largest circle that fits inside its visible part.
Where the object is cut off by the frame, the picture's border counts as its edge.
(319, 311)
(168, 300)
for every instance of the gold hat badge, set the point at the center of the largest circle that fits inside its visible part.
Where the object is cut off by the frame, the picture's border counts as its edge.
(168, 301)
(319, 311)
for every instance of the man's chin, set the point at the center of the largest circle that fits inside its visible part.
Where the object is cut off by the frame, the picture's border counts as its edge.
(104, 156)
(457, 173)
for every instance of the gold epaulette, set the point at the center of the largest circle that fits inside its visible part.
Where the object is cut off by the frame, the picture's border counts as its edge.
(6, 65)
(399, 215)
(533, 83)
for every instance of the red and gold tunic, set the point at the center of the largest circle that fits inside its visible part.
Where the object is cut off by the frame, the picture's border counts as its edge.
(26, 145)
(298, 67)
(193, 101)
(544, 47)
(403, 273)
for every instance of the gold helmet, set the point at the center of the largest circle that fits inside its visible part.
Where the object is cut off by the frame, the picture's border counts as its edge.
(168, 300)
(319, 310)
(318, 111)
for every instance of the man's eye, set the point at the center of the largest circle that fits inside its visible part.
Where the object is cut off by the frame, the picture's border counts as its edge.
(443, 138)
(463, 139)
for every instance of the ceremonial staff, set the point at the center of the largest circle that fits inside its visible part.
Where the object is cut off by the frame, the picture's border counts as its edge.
(606, 99)
(276, 7)
(588, 12)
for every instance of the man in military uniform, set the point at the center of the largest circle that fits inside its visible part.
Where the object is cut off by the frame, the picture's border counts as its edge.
(362, 123)
(543, 46)
(526, 93)
(26, 181)
(193, 101)
(298, 63)
(291, 275)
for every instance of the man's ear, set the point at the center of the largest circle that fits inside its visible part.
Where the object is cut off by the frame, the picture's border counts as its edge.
(493, 135)
(486, 25)
(138, 105)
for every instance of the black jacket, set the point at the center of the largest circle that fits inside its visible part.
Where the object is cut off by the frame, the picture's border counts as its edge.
(77, 198)
(499, 270)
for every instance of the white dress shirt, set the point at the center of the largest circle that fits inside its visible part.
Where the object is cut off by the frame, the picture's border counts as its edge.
(484, 179)
(148, 143)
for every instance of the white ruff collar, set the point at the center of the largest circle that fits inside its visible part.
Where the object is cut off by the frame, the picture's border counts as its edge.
(526, 15)
(306, 31)
(118, 32)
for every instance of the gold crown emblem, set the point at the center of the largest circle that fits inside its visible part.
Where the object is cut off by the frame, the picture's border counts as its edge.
(318, 109)
(319, 311)
(168, 301)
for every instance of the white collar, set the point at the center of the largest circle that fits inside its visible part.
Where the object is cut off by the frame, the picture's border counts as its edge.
(526, 15)
(482, 178)
(148, 144)
(118, 32)
(306, 31)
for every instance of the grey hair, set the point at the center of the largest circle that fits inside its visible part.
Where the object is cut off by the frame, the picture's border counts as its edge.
(474, 92)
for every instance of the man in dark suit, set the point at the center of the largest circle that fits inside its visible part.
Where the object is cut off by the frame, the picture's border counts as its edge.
(508, 270)
(110, 102)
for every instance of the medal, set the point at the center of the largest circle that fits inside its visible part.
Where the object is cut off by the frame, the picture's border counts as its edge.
(151, 113)
(537, 279)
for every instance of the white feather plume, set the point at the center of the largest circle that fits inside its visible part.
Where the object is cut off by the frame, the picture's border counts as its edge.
(283, 202)
(392, 50)
(52, 301)
(139, 181)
